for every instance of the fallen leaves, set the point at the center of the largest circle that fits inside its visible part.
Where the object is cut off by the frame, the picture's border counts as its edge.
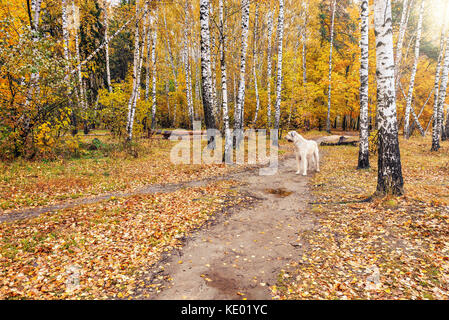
(392, 248)
(109, 244)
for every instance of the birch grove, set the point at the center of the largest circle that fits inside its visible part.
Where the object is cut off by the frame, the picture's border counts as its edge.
(198, 64)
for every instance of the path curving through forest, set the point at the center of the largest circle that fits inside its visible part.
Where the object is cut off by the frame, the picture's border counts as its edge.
(243, 252)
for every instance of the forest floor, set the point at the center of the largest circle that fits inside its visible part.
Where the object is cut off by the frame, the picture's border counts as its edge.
(228, 233)
(391, 248)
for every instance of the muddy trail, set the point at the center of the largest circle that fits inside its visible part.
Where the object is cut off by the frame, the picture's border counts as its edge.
(242, 253)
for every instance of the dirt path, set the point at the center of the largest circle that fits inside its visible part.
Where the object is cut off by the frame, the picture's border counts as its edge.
(241, 254)
(148, 189)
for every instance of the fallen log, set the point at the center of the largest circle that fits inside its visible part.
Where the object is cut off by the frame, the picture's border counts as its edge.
(177, 133)
(338, 141)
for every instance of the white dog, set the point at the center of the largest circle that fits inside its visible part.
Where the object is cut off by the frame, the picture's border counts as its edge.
(305, 150)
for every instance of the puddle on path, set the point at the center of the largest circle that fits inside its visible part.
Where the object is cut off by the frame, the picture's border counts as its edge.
(280, 192)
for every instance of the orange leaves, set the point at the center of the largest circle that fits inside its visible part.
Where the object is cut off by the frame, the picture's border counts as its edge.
(101, 250)
(392, 248)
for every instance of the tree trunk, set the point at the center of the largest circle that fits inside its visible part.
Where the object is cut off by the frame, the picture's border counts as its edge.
(173, 66)
(443, 90)
(106, 44)
(187, 70)
(206, 70)
(408, 106)
(436, 129)
(400, 43)
(279, 66)
(390, 179)
(329, 93)
(224, 87)
(34, 78)
(130, 122)
(256, 88)
(240, 112)
(154, 74)
(269, 65)
(363, 162)
(82, 93)
(445, 136)
(304, 42)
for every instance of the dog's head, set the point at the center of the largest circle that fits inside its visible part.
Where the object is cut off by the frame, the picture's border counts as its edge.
(291, 136)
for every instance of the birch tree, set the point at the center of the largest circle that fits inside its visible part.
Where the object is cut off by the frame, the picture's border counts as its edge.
(239, 109)
(408, 106)
(224, 86)
(34, 78)
(81, 92)
(206, 71)
(154, 73)
(279, 65)
(363, 161)
(443, 91)
(304, 41)
(329, 93)
(390, 179)
(401, 37)
(255, 39)
(269, 64)
(130, 122)
(187, 68)
(436, 129)
(106, 44)
(172, 65)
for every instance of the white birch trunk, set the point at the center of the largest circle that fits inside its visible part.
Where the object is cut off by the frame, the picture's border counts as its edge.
(82, 94)
(187, 69)
(206, 71)
(436, 129)
(256, 88)
(106, 44)
(34, 78)
(172, 65)
(154, 78)
(130, 122)
(224, 87)
(401, 36)
(363, 161)
(269, 65)
(390, 179)
(304, 41)
(443, 91)
(408, 106)
(279, 65)
(240, 111)
(329, 93)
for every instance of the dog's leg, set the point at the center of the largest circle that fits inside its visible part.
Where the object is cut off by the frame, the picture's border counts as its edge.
(297, 162)
(317, 159)
(304, 163)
